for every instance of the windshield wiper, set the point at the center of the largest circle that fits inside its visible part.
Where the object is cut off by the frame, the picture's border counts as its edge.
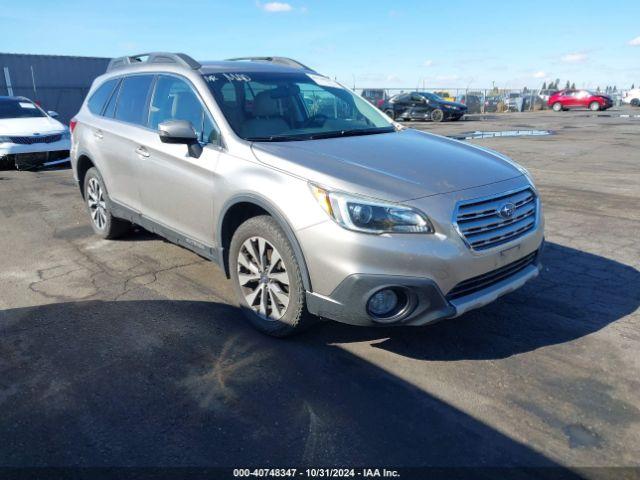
(278, 138)
(351, 133)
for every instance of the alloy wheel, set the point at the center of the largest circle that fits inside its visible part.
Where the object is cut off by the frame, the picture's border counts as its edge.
(97, 205)
(263, 278)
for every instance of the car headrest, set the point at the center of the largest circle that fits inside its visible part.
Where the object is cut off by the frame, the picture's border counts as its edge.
(264, 105)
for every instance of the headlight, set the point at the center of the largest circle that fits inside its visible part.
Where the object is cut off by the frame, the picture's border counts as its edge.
(5, 140)
(364, 215)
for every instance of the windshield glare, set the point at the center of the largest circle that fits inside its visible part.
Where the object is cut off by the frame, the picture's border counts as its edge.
(267, 106)
(11, 108)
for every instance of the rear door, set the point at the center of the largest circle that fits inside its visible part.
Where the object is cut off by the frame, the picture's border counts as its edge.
(124, 121)
(177, 190)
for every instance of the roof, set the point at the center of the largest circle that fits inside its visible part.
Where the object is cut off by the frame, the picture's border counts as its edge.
(248, 66)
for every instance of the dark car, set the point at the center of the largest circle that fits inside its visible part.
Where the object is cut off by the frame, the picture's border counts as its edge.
(422, 106)
(473, 102)
(566, 99)
(494, 103)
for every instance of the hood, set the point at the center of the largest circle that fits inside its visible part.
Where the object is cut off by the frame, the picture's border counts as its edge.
(395, 166)
(29, 126)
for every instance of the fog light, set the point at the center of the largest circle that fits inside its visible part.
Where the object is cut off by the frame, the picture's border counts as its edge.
(382, 303)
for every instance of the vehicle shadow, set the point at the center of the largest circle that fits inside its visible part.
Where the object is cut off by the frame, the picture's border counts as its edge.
(577, 293)
(186, 383)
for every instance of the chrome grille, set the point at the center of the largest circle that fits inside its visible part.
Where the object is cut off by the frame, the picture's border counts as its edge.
(36, 139)
(482, 226)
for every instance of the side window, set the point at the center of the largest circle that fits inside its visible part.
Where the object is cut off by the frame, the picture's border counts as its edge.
(174, 99)
(110, 110)
(100, 96)
(132, 99)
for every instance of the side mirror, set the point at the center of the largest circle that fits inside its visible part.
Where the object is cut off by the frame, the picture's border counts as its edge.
(180, 131)
(53, 114)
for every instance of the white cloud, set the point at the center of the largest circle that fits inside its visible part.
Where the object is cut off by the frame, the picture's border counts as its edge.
(427, 63)
(635, 42)
(539, 74)
(574, 57)
(276, 7)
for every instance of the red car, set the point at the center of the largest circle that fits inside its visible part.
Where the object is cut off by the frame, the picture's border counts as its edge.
(566, 99)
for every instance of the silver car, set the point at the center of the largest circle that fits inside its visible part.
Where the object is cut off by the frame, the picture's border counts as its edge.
(314, 203)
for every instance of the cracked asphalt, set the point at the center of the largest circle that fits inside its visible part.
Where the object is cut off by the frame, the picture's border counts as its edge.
(133, 353)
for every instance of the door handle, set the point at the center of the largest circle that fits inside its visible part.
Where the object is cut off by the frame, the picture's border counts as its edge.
(98, 134)
(142, 152)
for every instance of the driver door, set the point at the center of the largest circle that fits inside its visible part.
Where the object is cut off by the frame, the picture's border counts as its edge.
(177, 190)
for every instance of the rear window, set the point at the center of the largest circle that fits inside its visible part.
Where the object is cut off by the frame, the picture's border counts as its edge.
(18, 108)
(132, 99)
(100, 96)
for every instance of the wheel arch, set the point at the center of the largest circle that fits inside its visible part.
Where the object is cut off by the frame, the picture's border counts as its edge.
(83, 165)
(239, 209)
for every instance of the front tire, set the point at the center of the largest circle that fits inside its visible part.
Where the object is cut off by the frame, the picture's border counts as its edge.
(267, 278)
(594, 106)
(437, 115)
(7, 163)
(390, 113)
(104, 224)
(557, 107)
(635, 102)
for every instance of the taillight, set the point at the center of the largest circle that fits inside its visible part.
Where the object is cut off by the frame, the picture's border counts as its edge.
(72, 124)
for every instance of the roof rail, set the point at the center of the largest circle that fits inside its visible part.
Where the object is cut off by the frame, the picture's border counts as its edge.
(154, 57)
(289, 62)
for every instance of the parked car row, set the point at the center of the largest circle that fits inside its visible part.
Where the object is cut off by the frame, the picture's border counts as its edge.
(29, 136)
(421, 105)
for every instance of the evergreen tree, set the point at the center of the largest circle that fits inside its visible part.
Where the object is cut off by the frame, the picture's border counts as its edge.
(633, 85)
(567, 86)
(598, 89)
(573, 86)
(544, 86)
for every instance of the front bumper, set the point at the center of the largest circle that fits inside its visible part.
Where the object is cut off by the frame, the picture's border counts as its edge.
(348, 303)
(35, 155)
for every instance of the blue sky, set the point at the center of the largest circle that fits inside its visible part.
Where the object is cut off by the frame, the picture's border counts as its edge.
(394, 44)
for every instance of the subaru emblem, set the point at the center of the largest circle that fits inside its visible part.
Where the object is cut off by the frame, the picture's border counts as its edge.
(507, 210)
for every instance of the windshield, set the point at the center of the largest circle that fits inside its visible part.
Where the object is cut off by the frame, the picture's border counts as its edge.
(13, 108)
(273, 106)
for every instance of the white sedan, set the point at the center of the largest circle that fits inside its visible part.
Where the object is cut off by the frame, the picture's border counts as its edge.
(29, 136)
(632, 97)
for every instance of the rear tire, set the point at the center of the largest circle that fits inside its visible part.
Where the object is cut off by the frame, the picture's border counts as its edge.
(557, 107)
(635, 102)
(390, 114)
(594, 106)
(104, 224)
(437, 115)
(267, 278)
